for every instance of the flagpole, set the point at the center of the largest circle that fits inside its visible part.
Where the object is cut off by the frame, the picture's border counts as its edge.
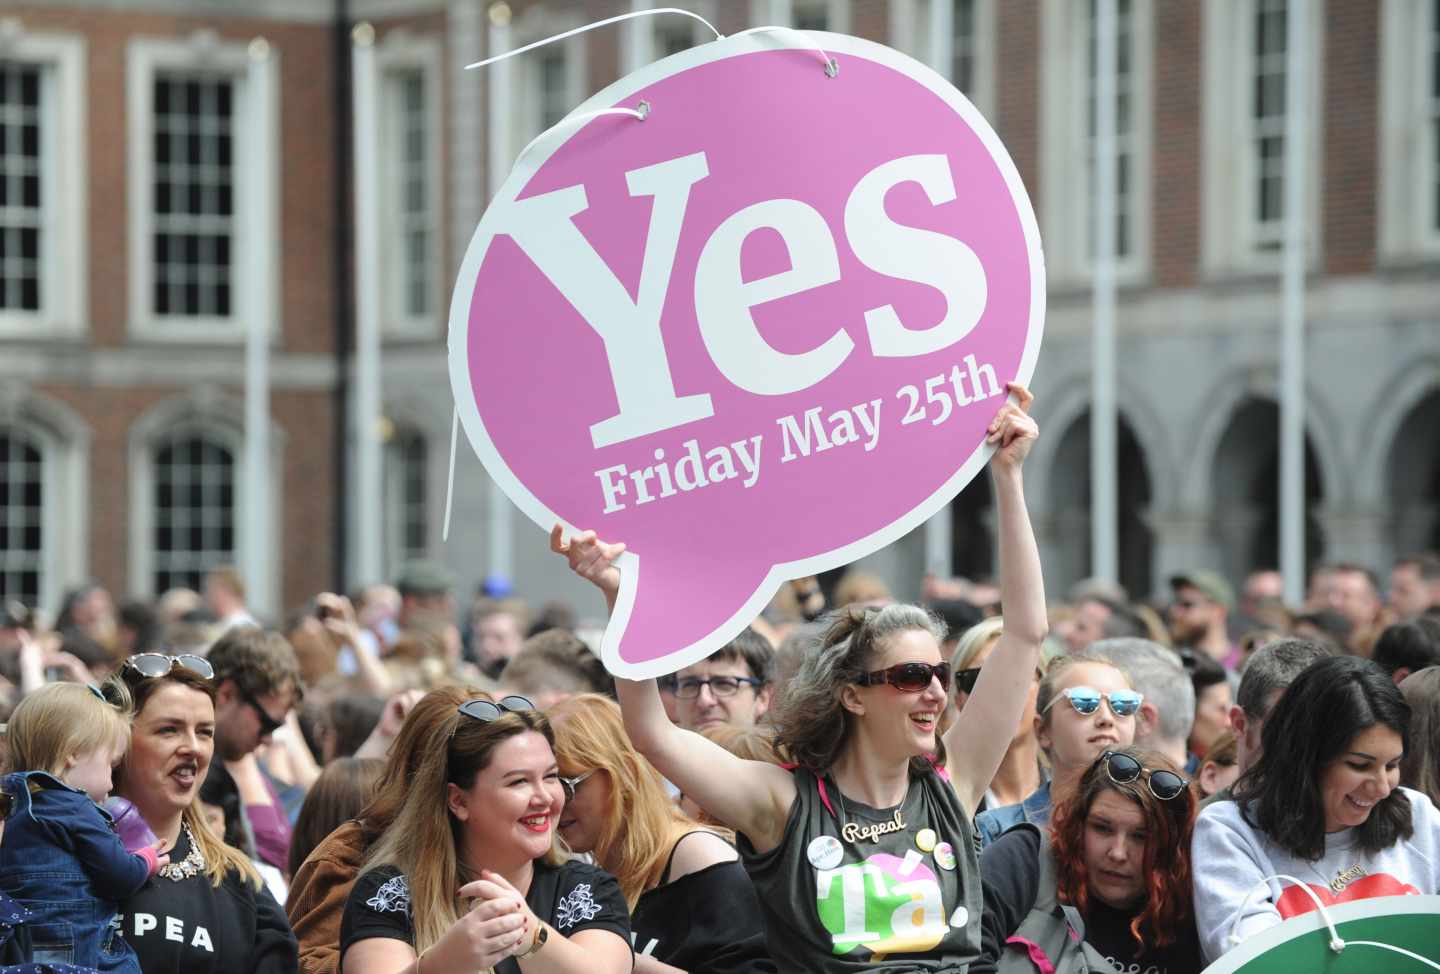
(1104, 417)
(1292, 333)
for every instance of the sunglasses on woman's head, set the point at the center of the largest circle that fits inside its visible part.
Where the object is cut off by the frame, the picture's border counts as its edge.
(1086, 700)
(571, 785)
(1123, 769)
(152, 665)
(909, 677)
(487, 710)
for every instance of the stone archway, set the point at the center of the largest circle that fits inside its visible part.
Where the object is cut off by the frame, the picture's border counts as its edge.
(1245, 487)
(1069, 501)
(1412, 477)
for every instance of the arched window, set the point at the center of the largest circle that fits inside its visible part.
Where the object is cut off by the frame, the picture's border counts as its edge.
(194, 509)
(22, 517)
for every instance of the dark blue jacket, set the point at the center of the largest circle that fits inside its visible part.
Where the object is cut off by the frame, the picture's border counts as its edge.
(61, 859)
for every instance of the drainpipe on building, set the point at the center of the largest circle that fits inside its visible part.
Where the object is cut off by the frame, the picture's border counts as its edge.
(343, 254)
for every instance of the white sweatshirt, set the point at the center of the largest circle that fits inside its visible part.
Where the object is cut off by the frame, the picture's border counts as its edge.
(1230, 858)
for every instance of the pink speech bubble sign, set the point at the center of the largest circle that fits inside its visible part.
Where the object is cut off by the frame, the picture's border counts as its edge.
(770, 242)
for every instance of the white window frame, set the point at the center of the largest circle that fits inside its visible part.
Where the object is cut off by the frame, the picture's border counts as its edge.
(64, 440)
(402, 53)
(214, 415)
(64, 248)
(256, 134)
(527, 102)
(1230, 245)
(912, 31)
(1066, 191)
(637, 35)
(781, 13)
(1407, 152)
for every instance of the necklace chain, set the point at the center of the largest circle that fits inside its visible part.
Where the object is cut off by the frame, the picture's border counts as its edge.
(192, 865)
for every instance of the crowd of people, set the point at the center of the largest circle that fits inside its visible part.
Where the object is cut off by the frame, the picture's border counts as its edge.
(983, 781)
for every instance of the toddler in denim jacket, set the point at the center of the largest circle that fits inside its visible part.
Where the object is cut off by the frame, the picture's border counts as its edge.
(60, 857)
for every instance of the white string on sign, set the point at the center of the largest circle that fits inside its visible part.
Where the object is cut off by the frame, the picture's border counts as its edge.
(450, 481)
(1337, 944)
(599, 23)
(640, 112)
(832, 67)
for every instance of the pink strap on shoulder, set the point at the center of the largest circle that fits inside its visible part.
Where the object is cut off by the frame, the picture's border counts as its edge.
(820, 784)
(938, 768)
(1037, 956)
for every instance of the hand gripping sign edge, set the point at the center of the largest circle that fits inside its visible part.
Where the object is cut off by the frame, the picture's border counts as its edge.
(532, 161)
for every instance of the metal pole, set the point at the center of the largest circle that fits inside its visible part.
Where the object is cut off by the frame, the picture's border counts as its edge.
(1104, 531)
(259, 305)
(367, 310)
(942, 36)
(1292, 330)
(500, 551)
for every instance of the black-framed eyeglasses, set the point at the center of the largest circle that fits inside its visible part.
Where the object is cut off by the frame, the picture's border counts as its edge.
(268, 724)
(572, 785)
(908, 677)
(153, 665)
(1123, 770)
(720, 686)
(487, 710)
(666, 683)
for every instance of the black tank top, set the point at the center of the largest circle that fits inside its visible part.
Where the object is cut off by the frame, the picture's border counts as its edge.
(855, 888)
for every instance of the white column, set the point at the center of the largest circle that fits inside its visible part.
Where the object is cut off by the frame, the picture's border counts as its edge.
(257, 221)
(942, 35)
(1292, 329)
(1104, 518)
(365, 422)
(499, 546)
(939, 537)
(639, 36)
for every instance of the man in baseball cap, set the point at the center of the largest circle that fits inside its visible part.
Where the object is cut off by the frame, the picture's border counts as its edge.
(1198, 616)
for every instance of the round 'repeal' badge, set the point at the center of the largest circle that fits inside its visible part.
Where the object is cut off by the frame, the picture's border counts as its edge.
(825, 852)
(945, 856)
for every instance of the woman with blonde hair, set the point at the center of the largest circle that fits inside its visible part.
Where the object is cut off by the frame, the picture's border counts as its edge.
(674, 872)
(1022, 771)
(470, 876)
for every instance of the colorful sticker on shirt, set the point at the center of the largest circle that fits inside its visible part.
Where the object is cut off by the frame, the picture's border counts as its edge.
(575, 907)
(885, 904)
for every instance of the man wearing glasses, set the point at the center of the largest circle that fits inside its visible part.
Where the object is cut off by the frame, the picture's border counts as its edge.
(732, 686)
(257, 684)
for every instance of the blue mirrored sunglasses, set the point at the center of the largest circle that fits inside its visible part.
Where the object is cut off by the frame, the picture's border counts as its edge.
(1086, 700)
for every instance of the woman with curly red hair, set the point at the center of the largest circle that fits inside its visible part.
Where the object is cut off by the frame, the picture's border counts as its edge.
(1107, 887)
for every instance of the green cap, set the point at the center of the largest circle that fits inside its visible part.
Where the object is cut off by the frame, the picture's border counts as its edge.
(1213, 584)
(424, 578)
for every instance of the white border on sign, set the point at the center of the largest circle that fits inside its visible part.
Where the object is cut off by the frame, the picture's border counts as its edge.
(1313, 922)
(629, 563)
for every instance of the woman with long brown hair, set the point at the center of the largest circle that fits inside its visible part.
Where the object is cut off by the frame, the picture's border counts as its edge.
(470, 875)
(207, 911)
(1109, 880)
(674, 872)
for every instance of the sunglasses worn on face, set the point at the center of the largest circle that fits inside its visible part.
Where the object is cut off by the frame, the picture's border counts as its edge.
(572, 785)
(908, 677)
(268, 724)
(1123, 769)
(486, 710)
(1086, 700)
(965, 679)
(154, 665)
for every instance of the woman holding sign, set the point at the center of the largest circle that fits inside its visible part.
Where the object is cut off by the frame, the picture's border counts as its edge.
(1321, 816)
(863, 854)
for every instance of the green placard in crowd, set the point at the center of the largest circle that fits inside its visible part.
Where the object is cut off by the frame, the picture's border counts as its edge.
(1410, 923)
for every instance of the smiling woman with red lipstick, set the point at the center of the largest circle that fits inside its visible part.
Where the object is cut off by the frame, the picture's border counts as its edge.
(1322, 808)
(207, 912)
(862, 854)
(1118, 852)
(469, 875)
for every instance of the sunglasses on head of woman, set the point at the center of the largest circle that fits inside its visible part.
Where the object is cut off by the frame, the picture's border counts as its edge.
(487, 710)
(152, 665)
(1086, 700)
(908, 677)
(572, 785)
(1123, 769)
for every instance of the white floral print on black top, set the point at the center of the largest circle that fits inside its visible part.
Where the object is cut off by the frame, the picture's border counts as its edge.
(392, 897)
(576, 906)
